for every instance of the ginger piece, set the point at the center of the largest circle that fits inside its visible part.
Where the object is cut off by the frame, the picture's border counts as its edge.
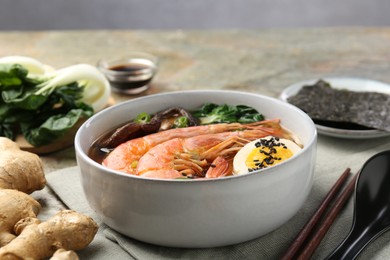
(67, 229)
(14, 206)
(62, 254)
(20, 170)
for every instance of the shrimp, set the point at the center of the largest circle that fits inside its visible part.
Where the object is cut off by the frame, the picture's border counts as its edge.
(208, 155)
(125, 157)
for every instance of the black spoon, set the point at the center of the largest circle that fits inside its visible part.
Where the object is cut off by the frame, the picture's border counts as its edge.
(372, 207)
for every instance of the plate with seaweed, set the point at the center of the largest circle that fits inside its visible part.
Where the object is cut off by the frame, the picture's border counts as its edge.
(345, 107)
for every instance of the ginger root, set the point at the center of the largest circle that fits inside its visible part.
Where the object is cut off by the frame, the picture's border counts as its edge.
(22, 235)
(14, 205)
(67, 229)
(62, 254)
(20, 170)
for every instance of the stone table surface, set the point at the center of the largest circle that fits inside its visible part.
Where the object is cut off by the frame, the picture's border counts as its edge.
(258, 61)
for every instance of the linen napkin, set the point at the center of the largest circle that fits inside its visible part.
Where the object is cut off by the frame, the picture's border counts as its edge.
(333, 157)
(66, 184)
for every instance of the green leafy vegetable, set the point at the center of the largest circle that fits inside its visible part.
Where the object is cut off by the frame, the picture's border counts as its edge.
(54, 127)
(36, 108)
(211, 113)
(11, 75)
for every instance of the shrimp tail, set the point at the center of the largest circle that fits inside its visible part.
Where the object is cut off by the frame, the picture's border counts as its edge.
(220, 167)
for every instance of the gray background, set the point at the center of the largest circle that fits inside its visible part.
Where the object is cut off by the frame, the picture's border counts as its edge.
(189, 14)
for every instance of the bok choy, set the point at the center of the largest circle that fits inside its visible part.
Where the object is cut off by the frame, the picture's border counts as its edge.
(211, 113)
(45, 106)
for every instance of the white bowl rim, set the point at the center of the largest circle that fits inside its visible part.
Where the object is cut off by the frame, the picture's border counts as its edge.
(78, 148)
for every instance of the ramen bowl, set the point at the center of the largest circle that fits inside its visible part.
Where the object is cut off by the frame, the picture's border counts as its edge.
(197, 213)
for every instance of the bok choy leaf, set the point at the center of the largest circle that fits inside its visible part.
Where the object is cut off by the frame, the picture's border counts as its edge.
(211, 113)
(44, 107)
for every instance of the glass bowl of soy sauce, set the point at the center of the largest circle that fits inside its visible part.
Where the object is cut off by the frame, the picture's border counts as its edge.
(131, 74)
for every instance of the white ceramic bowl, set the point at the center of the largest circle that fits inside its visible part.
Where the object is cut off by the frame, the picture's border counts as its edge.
(205, 213)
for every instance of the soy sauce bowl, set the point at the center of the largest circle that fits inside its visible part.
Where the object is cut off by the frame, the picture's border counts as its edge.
(131, 74)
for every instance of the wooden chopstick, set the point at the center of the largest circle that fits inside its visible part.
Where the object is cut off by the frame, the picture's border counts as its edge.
(310, 247)
(339, 204)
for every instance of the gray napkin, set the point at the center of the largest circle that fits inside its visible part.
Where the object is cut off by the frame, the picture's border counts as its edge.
(333, 157)
(66, 184)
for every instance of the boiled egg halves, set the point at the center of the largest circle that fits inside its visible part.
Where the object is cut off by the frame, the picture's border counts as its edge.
(263, 153)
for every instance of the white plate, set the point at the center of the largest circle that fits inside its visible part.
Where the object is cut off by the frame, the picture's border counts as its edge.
(353, 84)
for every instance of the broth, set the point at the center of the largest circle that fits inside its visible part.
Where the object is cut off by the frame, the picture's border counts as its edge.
(205, 147)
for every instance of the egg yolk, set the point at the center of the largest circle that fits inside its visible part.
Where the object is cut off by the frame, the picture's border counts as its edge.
(262, 157)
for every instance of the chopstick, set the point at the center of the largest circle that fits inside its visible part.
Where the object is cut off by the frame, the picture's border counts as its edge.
(308, 249)
(315, 241)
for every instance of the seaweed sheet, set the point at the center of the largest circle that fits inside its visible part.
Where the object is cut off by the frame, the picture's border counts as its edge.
(344, 108)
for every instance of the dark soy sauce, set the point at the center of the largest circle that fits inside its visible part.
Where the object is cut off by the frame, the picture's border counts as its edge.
(132, 75)
(131, 67)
